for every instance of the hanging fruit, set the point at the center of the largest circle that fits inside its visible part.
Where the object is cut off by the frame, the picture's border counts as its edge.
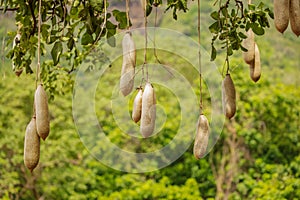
(281, 14)
(128, 65)
(228, 97)
(31, 146)
(248, 43)
(255, 67)
(137, 106)
(42, 112)
(295, 16)
(148, 111)
(202, 137)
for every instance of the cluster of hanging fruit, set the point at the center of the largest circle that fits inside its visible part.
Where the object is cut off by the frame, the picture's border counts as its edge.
(286, 11)
(144, 105)
(252, 56)
(38, 127)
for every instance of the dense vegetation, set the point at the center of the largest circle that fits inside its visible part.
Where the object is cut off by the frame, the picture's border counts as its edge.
(256, 157)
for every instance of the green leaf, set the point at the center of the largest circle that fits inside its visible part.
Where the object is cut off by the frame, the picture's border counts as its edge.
(243, 48)
(215, 15)
(233, 13)
(242, 35)
(224, 12)
(45, 31)
(110, 25)
(87, 39)
(70, 43)
(121, 19)
(98, 5)
(251, 7)
(270, 13)
(56, 52)
(214, 28)
(258, 30)
(213, 53)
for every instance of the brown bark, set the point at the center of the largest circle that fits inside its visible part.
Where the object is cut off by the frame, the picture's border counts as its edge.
(225, 164)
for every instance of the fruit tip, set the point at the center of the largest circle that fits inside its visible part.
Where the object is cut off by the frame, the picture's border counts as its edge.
(197, 158)
(124, 93)
(256, 80)
(230, 117)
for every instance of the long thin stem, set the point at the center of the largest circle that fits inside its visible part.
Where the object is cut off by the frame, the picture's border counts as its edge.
(227, 61)
(154, 37)
(127, 14)
(227, 42)
(38, 70)
(199, 56)
(146, 40)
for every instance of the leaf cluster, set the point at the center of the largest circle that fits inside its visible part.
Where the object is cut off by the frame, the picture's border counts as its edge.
(231, 22)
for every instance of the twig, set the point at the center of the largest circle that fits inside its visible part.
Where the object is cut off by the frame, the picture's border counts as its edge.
(146, 41)
(127, 14)
(199, 57)
(38, 70)
(154, 37)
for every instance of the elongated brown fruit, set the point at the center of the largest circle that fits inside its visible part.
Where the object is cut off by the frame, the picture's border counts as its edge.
(128, 65)
(295, 16)
(202, 137)
(248, 43)
(148, 111)
(137, 106)
(42, 112)
(31, 146)
(255, 66)
(228, 97)
(281, 14)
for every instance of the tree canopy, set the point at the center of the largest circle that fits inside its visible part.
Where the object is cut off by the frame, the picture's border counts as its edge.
(70, 30)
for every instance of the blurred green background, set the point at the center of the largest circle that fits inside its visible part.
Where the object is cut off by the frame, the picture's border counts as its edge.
(256, 157)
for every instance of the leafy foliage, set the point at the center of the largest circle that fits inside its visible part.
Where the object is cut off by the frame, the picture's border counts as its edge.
(70, 30)
(231, 21)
